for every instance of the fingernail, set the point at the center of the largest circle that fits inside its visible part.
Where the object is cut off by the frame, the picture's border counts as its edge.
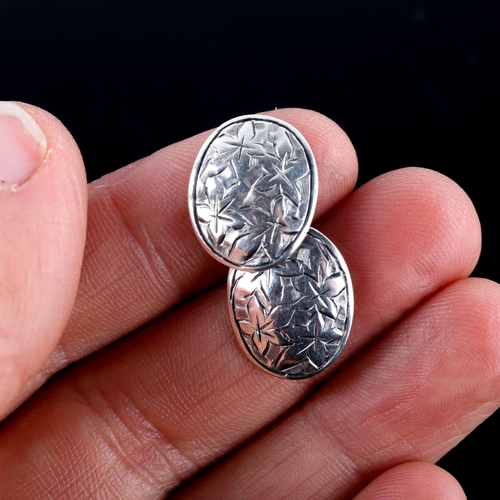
(22, 145)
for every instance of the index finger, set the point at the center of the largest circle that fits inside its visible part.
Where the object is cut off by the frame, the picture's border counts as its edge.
(142, 256)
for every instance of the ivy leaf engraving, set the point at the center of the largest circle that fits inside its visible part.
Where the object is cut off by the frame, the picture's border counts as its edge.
(284, 167)
(314, 343)
(273, 237)
(241, 140)
(262, 332)
(218, 218)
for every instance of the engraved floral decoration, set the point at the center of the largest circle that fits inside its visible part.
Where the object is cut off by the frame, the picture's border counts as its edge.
(253, 193)
(294, 318)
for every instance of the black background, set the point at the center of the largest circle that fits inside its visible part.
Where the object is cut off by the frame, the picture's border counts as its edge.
(411, 82)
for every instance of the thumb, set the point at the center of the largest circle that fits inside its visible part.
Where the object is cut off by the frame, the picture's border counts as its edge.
(42, 235)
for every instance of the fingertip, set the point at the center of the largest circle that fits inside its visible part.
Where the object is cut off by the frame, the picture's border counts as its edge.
(441, 198)
(474, 303)
(420, 206)
(413, 481)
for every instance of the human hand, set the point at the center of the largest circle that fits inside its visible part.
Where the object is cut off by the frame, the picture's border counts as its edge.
(158, 390)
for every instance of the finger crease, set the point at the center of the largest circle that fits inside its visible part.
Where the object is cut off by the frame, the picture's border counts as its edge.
(148, 256)
(141, 447)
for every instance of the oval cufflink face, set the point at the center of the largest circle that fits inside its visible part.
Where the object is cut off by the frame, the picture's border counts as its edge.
(294, 319)
(253, 192)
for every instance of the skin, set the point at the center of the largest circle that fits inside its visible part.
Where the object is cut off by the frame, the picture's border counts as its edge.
(132, 383)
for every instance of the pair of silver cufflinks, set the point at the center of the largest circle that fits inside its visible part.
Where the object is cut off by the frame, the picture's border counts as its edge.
(252, 197)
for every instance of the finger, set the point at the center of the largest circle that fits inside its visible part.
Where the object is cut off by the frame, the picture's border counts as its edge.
(404, 235)
(142, 256)
(42, 223)
(411, 397)
(182, 384)
(413, 481)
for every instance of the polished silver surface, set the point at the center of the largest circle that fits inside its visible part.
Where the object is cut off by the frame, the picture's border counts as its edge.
(294, 319)
(253, 192)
